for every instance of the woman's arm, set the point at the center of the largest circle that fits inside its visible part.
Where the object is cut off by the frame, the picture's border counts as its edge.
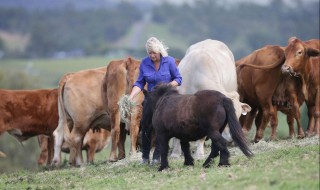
(135, 91)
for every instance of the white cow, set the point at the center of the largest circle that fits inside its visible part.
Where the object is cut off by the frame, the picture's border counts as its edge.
(209, 65)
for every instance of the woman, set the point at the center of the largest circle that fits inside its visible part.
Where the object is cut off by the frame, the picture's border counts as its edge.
(156, 68)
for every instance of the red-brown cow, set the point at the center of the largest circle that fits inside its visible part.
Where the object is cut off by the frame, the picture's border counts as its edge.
(119, 78)
(28, 113)
(267, 91)
(303, 61)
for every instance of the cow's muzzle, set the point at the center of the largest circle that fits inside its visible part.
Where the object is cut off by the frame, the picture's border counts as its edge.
(288, 69)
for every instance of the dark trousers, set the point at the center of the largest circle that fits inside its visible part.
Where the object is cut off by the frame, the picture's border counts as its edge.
(146, 144)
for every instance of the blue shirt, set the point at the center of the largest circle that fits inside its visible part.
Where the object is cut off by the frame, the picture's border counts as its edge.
(167, 72)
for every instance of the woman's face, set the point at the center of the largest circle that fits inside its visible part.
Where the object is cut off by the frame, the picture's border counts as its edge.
(154, 56)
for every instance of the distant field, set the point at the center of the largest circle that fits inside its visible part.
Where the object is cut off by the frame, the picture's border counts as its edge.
(49, 71)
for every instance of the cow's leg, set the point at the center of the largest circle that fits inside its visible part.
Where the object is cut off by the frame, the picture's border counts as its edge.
(268, 112)
(91, 151)
(311, 120)
(122, 140)
(115, 134)
(199, 154)
(188, 160)
(164, 148)
(59, 135)
(50, 149)
(134, 132)
(176, 148)
(274, 124)
(296, 115)
(43, 143)
(290, 121)
(75, 144)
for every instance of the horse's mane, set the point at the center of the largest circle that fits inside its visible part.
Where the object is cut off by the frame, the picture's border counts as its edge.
(167, 89)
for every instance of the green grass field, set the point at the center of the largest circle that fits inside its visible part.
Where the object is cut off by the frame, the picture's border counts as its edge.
(283, 164)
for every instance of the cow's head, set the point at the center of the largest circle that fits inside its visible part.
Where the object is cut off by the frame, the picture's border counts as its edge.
(297, 55)
(132, 67)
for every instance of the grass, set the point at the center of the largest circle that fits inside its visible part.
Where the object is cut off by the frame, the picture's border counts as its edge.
(284, 164)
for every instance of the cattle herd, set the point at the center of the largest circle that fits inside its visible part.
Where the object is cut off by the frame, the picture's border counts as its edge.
(82, 113)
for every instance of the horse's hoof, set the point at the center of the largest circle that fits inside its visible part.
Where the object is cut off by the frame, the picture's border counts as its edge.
(189, 163)
(162, 168)
(224, 165)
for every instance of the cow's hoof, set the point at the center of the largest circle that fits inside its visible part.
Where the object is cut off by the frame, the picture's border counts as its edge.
(145, 161)
(155, 162)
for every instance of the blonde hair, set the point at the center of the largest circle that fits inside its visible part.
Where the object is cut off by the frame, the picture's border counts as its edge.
(153, 44)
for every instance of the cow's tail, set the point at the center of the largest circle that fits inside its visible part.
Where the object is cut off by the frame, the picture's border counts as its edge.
(62, 111)
(235, 128)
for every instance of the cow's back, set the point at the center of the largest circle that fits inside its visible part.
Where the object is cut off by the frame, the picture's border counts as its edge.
(27, 113)
(208, 64)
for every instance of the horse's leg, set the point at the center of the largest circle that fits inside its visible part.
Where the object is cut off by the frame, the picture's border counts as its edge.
(214, 153)
(164, 147)
(218, 144)
(185, 146)
(156, 153)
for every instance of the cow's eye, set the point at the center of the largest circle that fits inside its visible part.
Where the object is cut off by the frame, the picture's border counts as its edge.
(299, 52)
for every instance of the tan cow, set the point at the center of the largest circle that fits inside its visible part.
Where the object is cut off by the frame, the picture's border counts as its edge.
(93, 143)
(304, 61)
(28, 113)
(119, 78)
(81, 107)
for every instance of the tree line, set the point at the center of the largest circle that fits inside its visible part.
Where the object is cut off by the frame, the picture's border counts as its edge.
(243, 28)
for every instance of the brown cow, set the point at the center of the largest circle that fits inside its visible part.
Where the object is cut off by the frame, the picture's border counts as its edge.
(303, 61)
(267, 91)
(93, 143)
(118, 81)
(28, 113)
(81, 107)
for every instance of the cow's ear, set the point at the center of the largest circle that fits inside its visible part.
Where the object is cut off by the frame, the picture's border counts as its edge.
(313, 52)
(245, 108)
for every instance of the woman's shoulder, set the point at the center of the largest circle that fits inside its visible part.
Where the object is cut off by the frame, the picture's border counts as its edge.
(169, 59)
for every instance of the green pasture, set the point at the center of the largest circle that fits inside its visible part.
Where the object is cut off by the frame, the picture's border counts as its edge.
(284, 164)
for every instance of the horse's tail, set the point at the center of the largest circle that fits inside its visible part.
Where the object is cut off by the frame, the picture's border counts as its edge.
(235, 128)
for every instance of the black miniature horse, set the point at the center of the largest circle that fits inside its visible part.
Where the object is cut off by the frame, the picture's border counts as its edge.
(192, 117)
